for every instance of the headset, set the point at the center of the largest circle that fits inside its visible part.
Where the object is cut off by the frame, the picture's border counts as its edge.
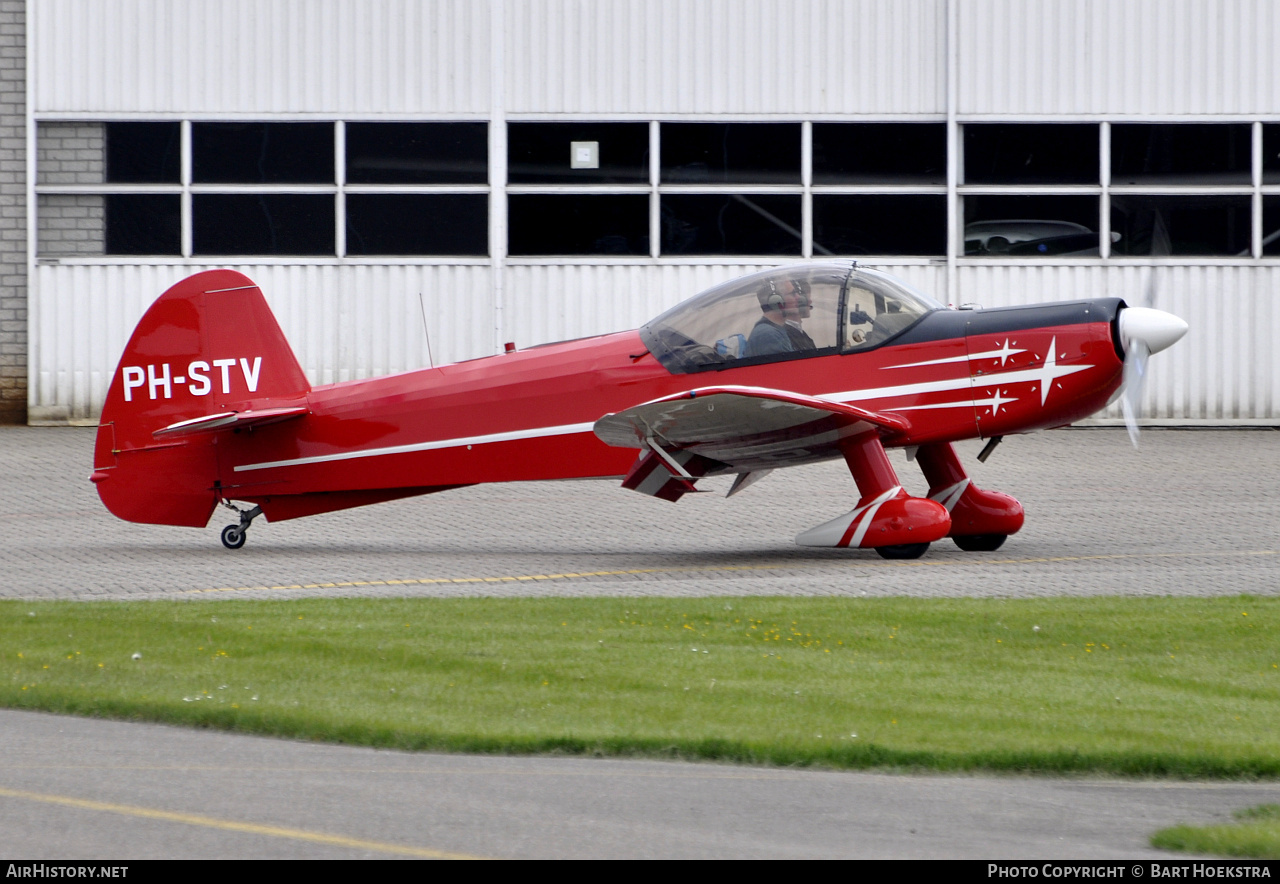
(773, 301)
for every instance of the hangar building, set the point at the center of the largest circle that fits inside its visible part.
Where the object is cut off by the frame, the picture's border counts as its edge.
(424, 180)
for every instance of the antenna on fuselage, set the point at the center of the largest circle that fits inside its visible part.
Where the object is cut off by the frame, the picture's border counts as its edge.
(431, 363)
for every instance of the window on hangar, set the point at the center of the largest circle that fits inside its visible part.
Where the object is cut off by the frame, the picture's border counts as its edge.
(1021, 190)
(417, 189)
(730, 189)
(879, 189)
(1152, 162)
(578, 189)
(674, 188)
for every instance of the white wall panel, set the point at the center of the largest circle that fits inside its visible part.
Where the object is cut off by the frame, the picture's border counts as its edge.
(365, 321)
(342, 322)
(647, 59)
(560, 302)
(345, 57)
(655, 57)
(1225, 369)
(928, 279)
(339, 57)
(662, 57)
(1134, 57)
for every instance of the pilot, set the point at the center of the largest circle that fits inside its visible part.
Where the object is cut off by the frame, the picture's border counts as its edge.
(773, 332)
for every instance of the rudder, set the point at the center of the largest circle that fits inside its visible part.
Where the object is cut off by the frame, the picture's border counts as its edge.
(208, 346)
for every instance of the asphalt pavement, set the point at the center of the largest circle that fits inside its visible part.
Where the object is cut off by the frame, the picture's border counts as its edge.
(81, 788)
(1189, 513)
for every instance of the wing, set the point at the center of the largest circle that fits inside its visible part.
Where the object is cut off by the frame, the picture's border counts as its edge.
(726, 429)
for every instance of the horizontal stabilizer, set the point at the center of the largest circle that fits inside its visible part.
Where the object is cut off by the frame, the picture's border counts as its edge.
(231, 420)
(745, 428)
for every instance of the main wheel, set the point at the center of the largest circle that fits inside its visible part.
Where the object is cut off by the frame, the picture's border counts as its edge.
(233, 537)
(981, 542)
(903, 551)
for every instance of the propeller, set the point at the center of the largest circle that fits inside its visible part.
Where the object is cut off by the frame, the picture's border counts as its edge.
(1143, 331)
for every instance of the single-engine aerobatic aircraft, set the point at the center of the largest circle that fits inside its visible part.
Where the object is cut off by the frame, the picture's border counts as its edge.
(783, 367)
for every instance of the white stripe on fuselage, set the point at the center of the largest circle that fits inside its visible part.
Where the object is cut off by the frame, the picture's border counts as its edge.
(1038, 375)
(532, 433)
(1002, 354)
(1044, 375)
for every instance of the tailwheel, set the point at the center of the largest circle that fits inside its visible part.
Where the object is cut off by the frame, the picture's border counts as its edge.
(903, 551)
(981, 542)
(234, 536)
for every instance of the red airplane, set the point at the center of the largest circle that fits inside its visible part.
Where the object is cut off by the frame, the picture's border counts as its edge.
(783, 367)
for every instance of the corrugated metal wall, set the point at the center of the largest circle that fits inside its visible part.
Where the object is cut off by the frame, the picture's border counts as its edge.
(726, 56)
(343, 323)
(1118, 57)
(357, 321)
(616, 57)
(829, 59)
(344, 57)
(364, 321)
(261, 56)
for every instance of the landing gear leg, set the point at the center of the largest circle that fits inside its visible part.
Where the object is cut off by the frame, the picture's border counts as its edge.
(980, 520)
(887, 519)
(233, 536)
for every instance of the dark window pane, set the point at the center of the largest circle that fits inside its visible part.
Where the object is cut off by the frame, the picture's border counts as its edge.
(1031, 226)
(1271, 225)
(417, 153)
(1031, 153)
(1180, 153)
(417, 224)
(143, 153)
(560, 224)
(263, 224)
(1181, 225)
(144, 224)
(538, 153)
(262, 153)
(740, 153)
(730, 224)
(879, 224)
(1271, 153)
(879, 153)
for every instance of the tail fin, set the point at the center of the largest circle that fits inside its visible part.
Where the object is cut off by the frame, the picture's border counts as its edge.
(208, 347)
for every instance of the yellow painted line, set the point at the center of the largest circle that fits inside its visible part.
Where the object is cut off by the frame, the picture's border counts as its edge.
(791, 566)
(209, 822)
(435, 581)
(684, 775)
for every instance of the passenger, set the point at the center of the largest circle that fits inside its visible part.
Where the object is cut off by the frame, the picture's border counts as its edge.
(774, 331)
(800, 339)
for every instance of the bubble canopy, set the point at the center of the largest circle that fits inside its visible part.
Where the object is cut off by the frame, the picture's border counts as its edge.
(783, 313)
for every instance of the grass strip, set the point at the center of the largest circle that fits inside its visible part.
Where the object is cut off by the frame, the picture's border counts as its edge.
(1255, 836)
(1166, 686)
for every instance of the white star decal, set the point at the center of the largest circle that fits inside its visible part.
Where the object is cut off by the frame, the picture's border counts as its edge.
(1044, 375)
(1048, 373)
(1005, 352)
(997, 400)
